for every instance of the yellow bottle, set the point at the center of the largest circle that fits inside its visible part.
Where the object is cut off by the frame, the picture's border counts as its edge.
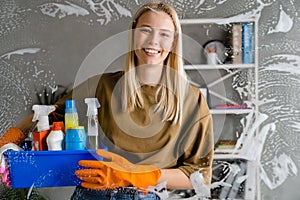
(71, 115)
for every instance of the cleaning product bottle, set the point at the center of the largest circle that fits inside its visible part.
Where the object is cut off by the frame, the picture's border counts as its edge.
(41, 113)
(55, 137)
(92, 132)
(71, 115)
(75, 138)
(27, 144)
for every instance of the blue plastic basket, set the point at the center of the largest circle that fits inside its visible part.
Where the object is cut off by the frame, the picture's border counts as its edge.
(46, 168)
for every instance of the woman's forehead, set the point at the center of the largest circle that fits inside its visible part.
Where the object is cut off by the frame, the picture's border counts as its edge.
(156, 18)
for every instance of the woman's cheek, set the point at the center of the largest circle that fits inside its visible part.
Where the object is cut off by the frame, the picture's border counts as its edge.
(167, 45)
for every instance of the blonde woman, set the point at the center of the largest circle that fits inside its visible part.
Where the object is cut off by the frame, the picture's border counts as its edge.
(149, 113)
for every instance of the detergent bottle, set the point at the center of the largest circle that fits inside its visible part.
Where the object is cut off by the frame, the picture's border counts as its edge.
(71, 115)
(92, 129)
(75, 138)
(41, 113)
(55, 137)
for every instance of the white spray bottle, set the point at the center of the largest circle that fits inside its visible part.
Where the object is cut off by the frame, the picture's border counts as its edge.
(92, 114)
(41, 113)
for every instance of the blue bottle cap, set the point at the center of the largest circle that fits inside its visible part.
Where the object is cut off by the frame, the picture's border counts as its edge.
(70, 106)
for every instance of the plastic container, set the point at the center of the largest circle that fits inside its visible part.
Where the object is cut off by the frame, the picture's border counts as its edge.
(71, 115)
(46, 168)
(27, 144)
(39, 140)
(41, 113)
(75, 138)
(56, 137)
(212, 58)
(92, 129)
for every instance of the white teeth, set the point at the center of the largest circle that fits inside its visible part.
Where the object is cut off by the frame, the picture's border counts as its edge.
(151, 51)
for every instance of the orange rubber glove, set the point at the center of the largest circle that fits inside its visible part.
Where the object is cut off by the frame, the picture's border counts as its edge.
(118, 172)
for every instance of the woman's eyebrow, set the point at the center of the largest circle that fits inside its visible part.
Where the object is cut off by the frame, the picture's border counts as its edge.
(161, 29)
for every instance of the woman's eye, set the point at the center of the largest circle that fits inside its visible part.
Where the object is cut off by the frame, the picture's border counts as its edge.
(166, 35)
(145, 30)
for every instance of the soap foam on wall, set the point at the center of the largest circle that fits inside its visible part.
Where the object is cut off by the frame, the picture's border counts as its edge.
(21, 68)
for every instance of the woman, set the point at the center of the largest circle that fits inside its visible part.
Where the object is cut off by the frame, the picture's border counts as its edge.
(149, 113)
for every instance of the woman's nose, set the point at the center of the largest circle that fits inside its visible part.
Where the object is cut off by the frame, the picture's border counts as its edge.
(153, 38)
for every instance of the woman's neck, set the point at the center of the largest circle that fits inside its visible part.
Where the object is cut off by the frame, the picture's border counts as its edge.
(149, 74)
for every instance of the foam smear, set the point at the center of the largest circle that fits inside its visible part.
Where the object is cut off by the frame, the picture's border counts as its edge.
(201, 189)
(291, 63)
(285, 23)
(281, 166)
(250, 140)
(20, 52)
(107, 10)
(62, 10)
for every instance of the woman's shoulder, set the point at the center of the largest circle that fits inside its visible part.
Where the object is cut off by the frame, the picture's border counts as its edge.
(195, 88)
(196, 96)
(112, 75)
(107, 78)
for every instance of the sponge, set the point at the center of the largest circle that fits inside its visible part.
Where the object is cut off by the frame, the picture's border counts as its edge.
(12, 135)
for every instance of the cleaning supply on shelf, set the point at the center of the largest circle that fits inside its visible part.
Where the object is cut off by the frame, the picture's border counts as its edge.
(41, 113)
(55, 137)
(92, 130)
(75, 138)
(71, 115)
(212, 57)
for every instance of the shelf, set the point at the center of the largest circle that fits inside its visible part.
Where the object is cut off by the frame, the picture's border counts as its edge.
(229, 156)
(215, 21)
(225, 150)
(230, 111)
(227, 84)
(221, 66)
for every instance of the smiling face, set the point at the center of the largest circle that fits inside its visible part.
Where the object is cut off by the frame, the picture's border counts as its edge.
(153, 37)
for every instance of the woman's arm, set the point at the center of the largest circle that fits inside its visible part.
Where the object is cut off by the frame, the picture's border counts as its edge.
(175, 178)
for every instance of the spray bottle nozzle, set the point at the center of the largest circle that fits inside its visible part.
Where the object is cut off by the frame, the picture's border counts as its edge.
(93, 105)
(41, 113)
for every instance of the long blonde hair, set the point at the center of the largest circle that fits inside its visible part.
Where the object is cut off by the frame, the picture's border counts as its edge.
(173, 83)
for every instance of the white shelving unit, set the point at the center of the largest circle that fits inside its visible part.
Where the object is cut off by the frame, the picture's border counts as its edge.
(223, 66)
(189, 27)
(230, 111)
(236, 68)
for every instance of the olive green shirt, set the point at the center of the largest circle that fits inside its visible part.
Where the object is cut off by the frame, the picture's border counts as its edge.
(141, 136)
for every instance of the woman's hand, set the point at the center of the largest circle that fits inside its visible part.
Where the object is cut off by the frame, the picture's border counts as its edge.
(118, 172)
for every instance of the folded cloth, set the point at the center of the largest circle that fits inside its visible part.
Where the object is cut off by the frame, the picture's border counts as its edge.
(4, 171)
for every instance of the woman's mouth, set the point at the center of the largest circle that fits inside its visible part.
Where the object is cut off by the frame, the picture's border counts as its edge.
(151, 51)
